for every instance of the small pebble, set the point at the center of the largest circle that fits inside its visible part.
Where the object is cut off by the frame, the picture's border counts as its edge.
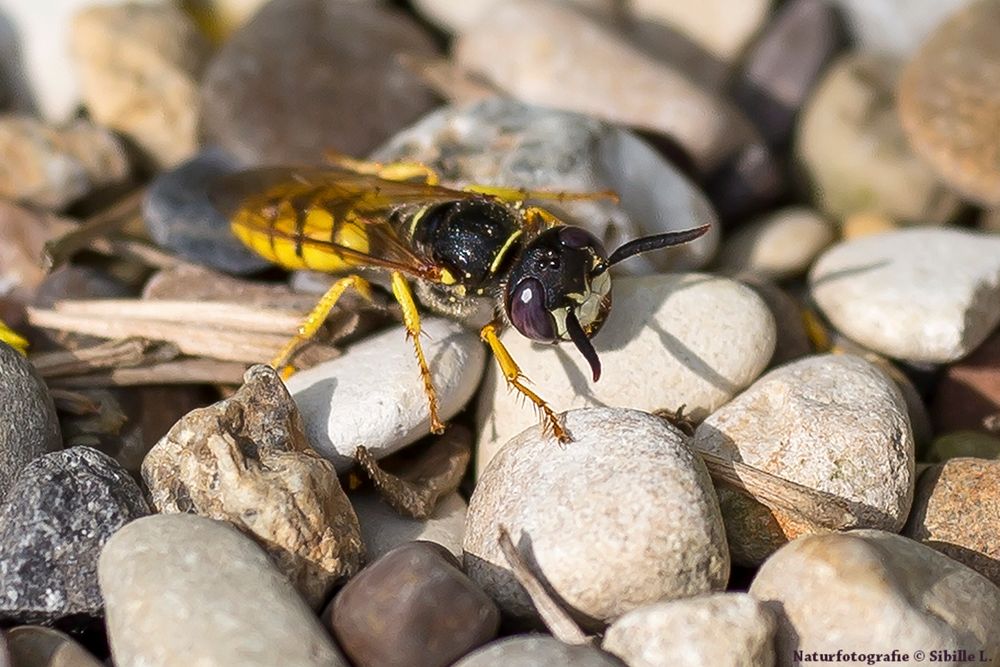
(969, 391)
(623, 516)
(672, 340)
(437, 614)
(862, 224)
(23, 234)
(505, 142)
(895, 28)
(37, 646)
(29, 427)
(855, 153)
(921, 295)
(537, 651)
(307, 76)
(60, 512)
(753, 180)
(179, 215)
(246, 460)
(383, 529)
(550, 55)
(723, 630)
(781, 245)
(373, 395)
(51, 167)
(834, 423)
(963, 443)
(868, 591)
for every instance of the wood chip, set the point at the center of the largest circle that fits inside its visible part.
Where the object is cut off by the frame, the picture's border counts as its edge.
(60, 250)
(115, 354)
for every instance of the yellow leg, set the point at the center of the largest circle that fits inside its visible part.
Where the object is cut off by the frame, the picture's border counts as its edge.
(411, 319)
(513, 374)
(12, 338)
(392, 171)
(513, 195)
(314, 320)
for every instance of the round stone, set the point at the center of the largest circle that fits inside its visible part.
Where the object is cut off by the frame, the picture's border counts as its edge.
(38, 646)
(537, 651)
(834, 423)
(622, 516)
(922, 295)
(671, 340)
(382, 528)
(783, 244)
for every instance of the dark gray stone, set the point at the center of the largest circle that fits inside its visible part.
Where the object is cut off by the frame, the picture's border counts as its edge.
(61, 510)
(28, 424)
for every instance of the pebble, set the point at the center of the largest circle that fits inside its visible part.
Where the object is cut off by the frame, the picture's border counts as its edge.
(437, 614)
(862, 224)
(537, 651)
(895, 28)
(781, 245)
(29, 427)
(37, 646)
(179, 215)
(855, 154)
(139, 67)
(23, 234)
(957, 512)
(969, 390)
(949, 104)
(963, 443)
(505, 142)
(750, 182)
(373, 395)
(550, 55)
(246, 460)
(184, 590)
(74, 282)
(792, 339)
(869, 591)
(623, 516)
(60, 512)
(989, 221)
(834, 423)
(52, 166)
(784, 64)
(720, 629)
(383, 529)
(921, 295)
(671, 340)
(722, 28)
(307, 76)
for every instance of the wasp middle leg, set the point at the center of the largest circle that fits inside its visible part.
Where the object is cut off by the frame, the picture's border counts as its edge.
(411, 320)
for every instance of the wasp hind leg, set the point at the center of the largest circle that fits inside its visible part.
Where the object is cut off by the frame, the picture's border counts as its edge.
(314, 320)
(411, 320)
(390, 171)
(513, 374)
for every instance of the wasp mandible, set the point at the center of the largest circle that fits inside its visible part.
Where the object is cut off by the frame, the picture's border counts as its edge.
(549, 280)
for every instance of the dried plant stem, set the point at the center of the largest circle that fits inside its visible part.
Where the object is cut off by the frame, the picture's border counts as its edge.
(59, 251)
(207, 314)
(183, 371)
(114, 354)
(137, 251)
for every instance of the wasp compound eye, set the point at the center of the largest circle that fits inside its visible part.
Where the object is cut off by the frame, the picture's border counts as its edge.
(575, 237)
(528, 313)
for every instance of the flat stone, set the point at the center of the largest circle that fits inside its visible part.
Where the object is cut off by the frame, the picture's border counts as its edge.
(895, 27)
(922, 295)
(507, 143)
(719, 629)
(623, 516)
(957, 512)
(782, 244)
(60, 512)
(550, 55)
(961, 444)
(969, 390)
(139, 67)
(537, 651)
(275, 88)
(29, 427)
(179, 215)
(383, 529)
(373, 395)
(182, 590)
(689, 340)
(37, 646)
(855, 153)
(23, 234)
(246, 460)
(868, 591)
(834, 423)
(52, 166)
(436, 612)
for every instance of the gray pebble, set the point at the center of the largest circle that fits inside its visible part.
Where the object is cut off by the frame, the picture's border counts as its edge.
(37, 646)
(383, 528)
(537, 651)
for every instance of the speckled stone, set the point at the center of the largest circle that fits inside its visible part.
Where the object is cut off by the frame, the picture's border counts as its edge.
(623, 516)
(382, 528)
(922, 295)
(508, 143)
(671, 340)
(537, 651)
(782, 244)
(833, 423)
(60, 512)
(731, 629)
(183, 590)
(869, 591)
(956, 511)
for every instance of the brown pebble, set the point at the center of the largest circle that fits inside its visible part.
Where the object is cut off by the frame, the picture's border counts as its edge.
(969, 392)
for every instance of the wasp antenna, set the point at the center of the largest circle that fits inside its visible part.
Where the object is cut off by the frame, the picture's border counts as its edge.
(579, 338)
(655, 242)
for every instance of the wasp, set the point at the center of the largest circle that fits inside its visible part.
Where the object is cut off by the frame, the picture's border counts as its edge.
(458, 247)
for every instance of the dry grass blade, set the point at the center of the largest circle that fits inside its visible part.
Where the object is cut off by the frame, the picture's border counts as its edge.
(60, 250)
(137, 251)
(183, 371)
(208, 314)
(115, 354)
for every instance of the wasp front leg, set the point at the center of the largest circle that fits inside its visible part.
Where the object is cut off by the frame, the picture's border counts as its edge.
(512, 372)
(411, 320)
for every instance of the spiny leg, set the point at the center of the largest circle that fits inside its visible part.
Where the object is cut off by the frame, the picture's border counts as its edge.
(411, 319)
(391, 171)
(314, 320)
(513, 374)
